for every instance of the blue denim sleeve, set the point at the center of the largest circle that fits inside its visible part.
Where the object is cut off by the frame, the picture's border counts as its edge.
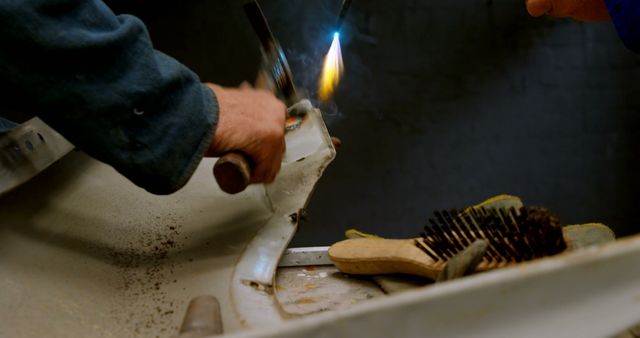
(6, 125)
(625, 15)
(96, 79)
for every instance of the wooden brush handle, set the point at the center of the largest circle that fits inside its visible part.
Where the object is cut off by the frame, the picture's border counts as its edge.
(232, 172)
(374, 256)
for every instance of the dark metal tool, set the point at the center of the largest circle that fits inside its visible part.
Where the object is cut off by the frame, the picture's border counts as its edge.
(343, 13)
(274, 61)
(233, 170)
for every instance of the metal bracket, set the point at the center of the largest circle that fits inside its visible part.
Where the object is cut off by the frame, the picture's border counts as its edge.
(315, 255)
(27, 150)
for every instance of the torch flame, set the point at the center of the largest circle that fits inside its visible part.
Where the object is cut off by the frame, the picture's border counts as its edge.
(331, 70)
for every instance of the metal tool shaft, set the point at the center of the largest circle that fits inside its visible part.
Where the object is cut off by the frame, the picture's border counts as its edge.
(343, 13)
(275, 61)
(233, 170)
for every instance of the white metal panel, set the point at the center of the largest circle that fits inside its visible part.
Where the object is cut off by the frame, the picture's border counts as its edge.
(252, 286)
(593, 292)
(85, 253)
(28, 149)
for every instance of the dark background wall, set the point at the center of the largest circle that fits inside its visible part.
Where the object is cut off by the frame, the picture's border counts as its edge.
(444, 104)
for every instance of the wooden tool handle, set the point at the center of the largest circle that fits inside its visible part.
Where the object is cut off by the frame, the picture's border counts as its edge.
(233, 172)
(375, 256)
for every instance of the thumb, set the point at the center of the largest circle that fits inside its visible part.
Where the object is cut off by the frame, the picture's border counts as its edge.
(538, 7)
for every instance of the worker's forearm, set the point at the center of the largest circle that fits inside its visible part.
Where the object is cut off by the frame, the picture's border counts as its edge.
(625, 15)
(96, 78)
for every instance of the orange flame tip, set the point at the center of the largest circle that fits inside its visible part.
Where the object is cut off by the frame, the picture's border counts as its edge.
(331, 71)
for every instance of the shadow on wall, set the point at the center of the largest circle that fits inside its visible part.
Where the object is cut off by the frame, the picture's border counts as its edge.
(443, 104)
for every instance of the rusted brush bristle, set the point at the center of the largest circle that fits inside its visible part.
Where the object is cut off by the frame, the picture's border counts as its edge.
(514, 235)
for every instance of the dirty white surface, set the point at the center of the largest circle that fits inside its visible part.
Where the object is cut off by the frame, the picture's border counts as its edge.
(314, 255)
(312, 289)
(590, 293)
(28, 149)
(85, 253)
(252, 280)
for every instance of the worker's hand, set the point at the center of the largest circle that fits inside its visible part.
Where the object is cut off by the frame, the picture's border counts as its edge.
(583, 10)
(250, 121)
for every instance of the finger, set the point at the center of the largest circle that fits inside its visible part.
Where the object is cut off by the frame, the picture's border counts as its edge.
(539, 7)
(275, 169)
(245, 85)
(264, 172)
(278, 114)
(276, 164)
(261, 171)
(269, 165)
(336, 142)
(258, 174)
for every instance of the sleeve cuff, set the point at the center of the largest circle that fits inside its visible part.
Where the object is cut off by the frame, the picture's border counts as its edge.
(212, 102)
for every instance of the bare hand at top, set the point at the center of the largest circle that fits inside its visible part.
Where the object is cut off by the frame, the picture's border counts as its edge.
(250, 121)
(583, 10)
